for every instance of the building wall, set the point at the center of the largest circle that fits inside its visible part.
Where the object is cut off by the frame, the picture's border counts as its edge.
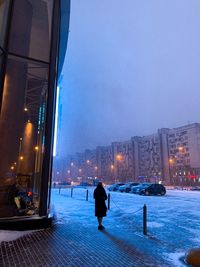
(105, 165)
(123, 158)
(154, 158)
(149, 159)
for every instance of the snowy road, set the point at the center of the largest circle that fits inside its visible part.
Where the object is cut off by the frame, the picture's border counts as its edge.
(173, 220)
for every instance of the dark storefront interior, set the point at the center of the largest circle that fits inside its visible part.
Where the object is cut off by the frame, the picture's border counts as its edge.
(32, 48)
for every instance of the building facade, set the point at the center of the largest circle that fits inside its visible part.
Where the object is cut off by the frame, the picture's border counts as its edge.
(170, 156)
(32, 48)
(184, 154)
(123, 160)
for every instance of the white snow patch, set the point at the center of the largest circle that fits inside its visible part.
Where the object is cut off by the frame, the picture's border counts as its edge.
(176, 258)
(12, 235)
(154, 224)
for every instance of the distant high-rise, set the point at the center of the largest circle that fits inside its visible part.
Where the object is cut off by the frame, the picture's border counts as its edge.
(171, 156)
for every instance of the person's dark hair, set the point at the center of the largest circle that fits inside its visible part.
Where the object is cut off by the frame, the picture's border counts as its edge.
(100, 184)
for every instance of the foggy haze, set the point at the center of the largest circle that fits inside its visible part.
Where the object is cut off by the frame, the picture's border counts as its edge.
(131, 67)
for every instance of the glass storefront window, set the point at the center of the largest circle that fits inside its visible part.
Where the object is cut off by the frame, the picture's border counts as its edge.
(22, 129)
(4, 7)
(30, 32)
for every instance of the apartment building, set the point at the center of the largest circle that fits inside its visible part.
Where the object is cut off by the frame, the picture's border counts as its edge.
(171, 156)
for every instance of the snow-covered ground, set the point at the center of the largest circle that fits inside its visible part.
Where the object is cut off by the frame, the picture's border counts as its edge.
(173, 220)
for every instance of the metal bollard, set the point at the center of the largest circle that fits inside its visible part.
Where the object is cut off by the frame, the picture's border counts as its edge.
(87, 195)
(108, 201)
(145, 220)
(71, 191)
(59, 190)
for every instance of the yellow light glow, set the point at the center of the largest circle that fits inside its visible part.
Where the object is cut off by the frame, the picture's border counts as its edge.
(36, 148)
(12, 168)
(119, 157)
(25, 109)
(21, 157)
(171, 161)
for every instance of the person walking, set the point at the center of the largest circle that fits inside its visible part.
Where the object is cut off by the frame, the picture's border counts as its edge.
(100, 205)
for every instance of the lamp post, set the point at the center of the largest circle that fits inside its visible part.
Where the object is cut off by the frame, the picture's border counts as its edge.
(80, 172)
(96, 171)
(87, 172)
(71, 169)
(119, 159)
(68, 174)
(171, 163)
(177, 163)
(112, 171)
(182, 168)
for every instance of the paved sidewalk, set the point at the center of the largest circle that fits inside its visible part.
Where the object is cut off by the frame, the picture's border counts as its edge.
(72, 245)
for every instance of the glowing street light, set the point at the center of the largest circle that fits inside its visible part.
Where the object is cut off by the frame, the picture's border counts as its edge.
(96, 168)
(21, 158)
(119, 157)
(36, 148)
(72, 164)
(180, 148)
(25, 109)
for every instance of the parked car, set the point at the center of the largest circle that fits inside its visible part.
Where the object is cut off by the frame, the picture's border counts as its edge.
(149, 189)
(64, 183)
(136, 189)
(114, 187)
(127, 187)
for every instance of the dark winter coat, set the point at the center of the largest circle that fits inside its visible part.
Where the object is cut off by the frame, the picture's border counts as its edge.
(100, 198)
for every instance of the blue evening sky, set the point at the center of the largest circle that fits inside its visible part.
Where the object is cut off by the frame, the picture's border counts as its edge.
(131, 67)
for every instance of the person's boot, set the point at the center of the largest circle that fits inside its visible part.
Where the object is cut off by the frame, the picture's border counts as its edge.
(101, 227)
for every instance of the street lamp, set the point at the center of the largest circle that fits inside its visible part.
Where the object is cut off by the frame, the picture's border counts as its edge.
(80, 172)
(112, 171)
(36, 148)
(96, 171)
(68, 173)
(119, 158)
(171, 163)
(88, 163)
